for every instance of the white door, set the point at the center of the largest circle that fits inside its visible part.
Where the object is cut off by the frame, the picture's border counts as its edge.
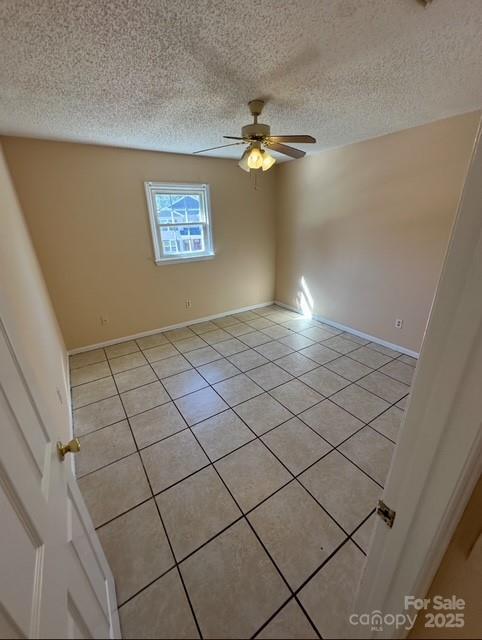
(54, 579)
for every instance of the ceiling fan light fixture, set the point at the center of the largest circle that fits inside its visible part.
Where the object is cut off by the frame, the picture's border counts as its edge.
(255, 158)
(243, 163)
(268, 161)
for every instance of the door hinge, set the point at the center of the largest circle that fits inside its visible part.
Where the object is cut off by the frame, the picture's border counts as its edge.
(385, 513)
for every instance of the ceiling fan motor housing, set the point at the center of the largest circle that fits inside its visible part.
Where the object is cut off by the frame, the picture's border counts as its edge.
(256, 131)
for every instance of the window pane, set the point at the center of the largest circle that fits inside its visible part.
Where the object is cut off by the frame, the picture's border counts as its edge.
(181, 239)
(175, 208)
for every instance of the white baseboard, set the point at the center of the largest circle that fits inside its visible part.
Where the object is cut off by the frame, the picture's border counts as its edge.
(179, 325)
(355, 332)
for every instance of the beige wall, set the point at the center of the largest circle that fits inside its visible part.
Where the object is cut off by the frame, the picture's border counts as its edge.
(367, 226)
(27, 313)
(86, 211)
(460, 574)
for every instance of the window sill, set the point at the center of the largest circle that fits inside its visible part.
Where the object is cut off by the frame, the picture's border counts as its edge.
(208, 256)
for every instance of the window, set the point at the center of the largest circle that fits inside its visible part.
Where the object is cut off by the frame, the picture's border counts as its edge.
(180, 221)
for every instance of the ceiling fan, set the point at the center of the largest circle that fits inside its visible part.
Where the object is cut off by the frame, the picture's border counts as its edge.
(258, 138)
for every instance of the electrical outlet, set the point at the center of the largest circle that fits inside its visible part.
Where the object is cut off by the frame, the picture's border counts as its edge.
(398, 323)
(187, 303)
(103, 320)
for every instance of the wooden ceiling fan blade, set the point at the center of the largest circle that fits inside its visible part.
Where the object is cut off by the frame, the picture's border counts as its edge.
(232, 144)
(283, 148)
(233, 138)
(295, 138)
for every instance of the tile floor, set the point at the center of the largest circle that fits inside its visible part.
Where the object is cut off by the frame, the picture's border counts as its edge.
(232, 469)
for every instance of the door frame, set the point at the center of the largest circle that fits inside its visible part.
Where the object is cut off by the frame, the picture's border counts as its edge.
(438, 458)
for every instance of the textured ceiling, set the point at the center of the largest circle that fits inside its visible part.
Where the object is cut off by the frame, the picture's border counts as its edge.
(175, 75)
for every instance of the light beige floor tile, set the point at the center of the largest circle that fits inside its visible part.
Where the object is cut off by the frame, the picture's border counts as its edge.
(93, 392)
(296, 531)
(297, 341)
(121, 349)
(250, 589)
(86, 357)
(316, 333)
(296, 396)
(160, 611)
(104, 446)
(195, 510)
(130, 361)
(363, 535)
(383, 349)
(290, 623)
(202, 356)
(296, 445)
(319, 353)
(274, 349)
(389, 423)
(218, 370)
(343, 490)
(218, 335)
(182, 333)
(269, 376)
(183, 383)
(222, 433)
(200, 405)
(252, 473)
(340, 344)
(299, 324)
(403, 404)
(369, 357)
(348, 368)
(230, 347)
(399, 370)
(237, 389)
(260, 323)
(89, 373)
(190, 344)
(277, 331)
(133, 378)
(158, 423)
(203, 327)
(239, 329)
(408, 360)
(324, 381)
(331, 421)
(246, 315)
(384, 386)
(171, 366)
(147, 342)
(330, 595)
(173, 459)
(351, 336)
(262, 413)
(225, 321)
(361, 403)
(161, 352)
(296, 363)
(248, 359)
(136, 548)
(370, 451)
(97, 415)
(112, 490)
(255, 338)
(144, 398)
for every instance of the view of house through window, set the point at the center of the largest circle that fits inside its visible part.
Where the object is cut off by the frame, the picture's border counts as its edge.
(180, 221)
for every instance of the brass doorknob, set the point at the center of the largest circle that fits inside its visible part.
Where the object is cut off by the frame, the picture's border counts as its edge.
(71, 447)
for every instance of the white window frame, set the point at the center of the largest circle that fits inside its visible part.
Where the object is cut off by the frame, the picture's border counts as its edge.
(202, 190)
